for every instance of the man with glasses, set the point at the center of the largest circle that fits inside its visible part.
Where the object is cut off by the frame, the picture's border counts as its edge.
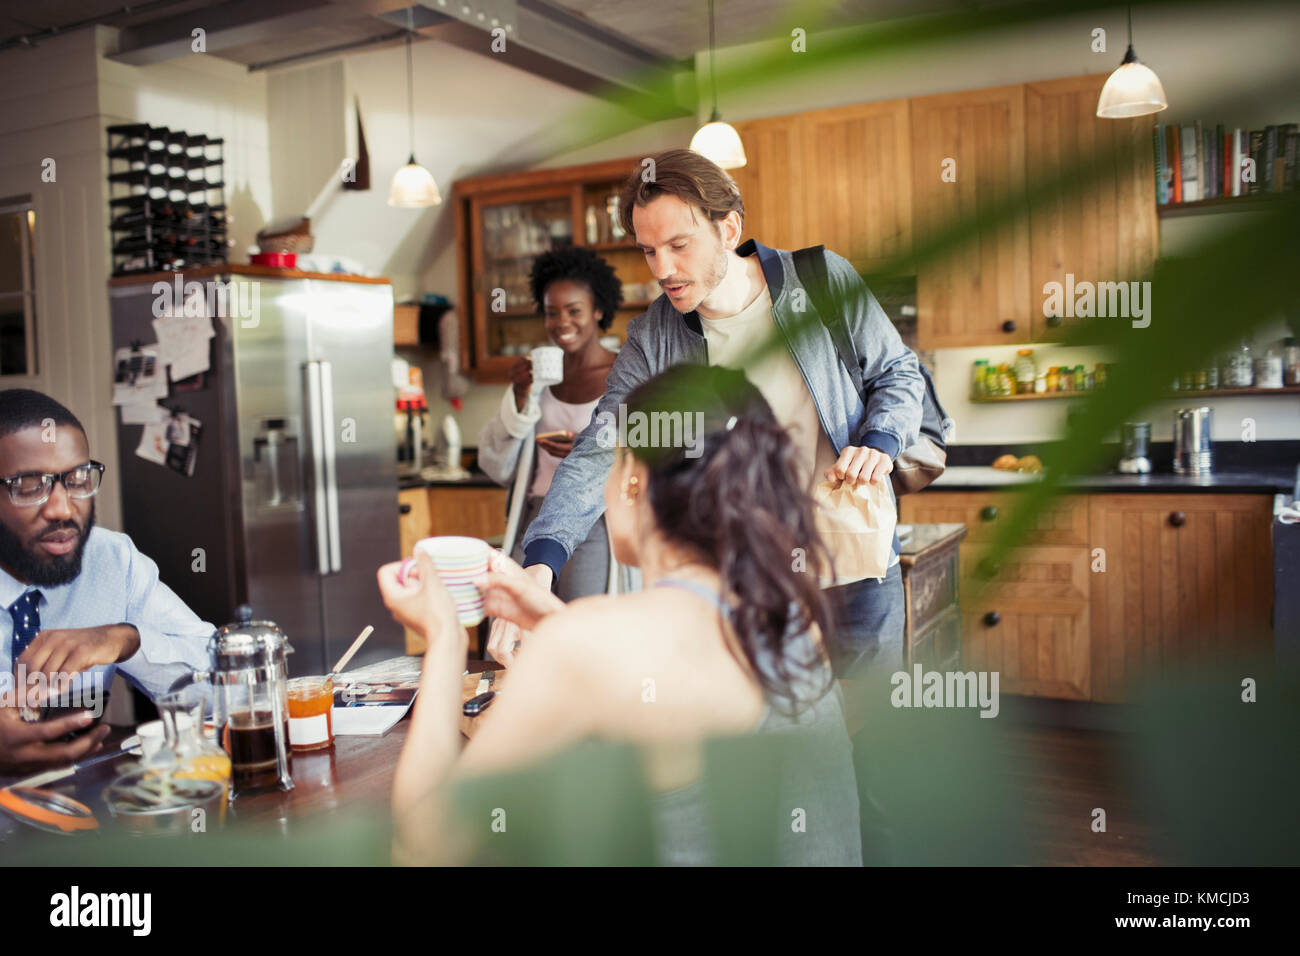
(77, 603)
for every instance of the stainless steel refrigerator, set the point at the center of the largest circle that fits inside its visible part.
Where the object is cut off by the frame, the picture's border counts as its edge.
(292, 504)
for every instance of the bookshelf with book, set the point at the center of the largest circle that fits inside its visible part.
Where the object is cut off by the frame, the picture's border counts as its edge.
(1200, 168)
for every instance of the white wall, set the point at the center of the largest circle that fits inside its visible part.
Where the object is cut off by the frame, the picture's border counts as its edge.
(48, 110)
(55, 102)
(473, 115)
(201, 94)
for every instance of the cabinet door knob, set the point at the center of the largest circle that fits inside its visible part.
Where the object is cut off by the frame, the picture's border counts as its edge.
(992, 618)
(988, 513)
(1053, 321)
(1009, 326)
(404, 509)
(1177, 519)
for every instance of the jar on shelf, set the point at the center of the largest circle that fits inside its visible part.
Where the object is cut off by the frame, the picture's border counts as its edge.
(1268, 368)
(1026, 371)
(1241, 367)
(1290, 361)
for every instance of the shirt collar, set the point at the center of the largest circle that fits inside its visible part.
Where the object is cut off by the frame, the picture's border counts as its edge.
(11, 589)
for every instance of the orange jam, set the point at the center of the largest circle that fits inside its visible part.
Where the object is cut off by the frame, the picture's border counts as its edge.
(310, 724)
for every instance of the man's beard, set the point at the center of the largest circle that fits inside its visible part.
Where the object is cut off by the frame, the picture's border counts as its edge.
(712, 278)
(44, 572)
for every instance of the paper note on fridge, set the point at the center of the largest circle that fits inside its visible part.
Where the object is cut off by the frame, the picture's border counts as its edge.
(184, 343)
(153, 443)
(143, 413)
(137, 376)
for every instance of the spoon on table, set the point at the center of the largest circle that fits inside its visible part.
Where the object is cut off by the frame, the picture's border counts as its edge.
(356, 646)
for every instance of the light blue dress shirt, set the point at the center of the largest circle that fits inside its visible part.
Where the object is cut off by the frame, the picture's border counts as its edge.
(117, 585)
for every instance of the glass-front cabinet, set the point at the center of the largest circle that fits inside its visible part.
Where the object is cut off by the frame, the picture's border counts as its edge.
(504, 223)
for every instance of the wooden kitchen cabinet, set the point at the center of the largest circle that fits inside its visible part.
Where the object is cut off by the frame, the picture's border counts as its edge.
(1029, 620)
(1063, 522)
(503, 222)
(839, 177)
(1188, 583)
(475, 511)
(1103, 233)
(772, 181)
(978, 293)
(857, 181)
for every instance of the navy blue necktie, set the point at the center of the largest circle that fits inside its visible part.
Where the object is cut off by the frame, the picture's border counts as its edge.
(27, 622)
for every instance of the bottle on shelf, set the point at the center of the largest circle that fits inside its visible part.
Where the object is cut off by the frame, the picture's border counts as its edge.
(1054, 379)
(1290, 361)
(1241, 367)
(1026, 371)
(979, 378)
(1268, 368)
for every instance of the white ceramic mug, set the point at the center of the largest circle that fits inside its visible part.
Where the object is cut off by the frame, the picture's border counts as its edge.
(548, 365)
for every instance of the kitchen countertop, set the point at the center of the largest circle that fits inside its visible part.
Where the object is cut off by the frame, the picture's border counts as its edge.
(476, 479)
(1265, 480)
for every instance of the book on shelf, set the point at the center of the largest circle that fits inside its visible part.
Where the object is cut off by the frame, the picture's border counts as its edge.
(1194, 162)
(1254, 185)
(1161, 166)
(1191, 164)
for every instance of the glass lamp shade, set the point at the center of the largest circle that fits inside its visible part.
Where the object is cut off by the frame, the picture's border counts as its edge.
(720, 143)
(413, 186)
(1132, 90)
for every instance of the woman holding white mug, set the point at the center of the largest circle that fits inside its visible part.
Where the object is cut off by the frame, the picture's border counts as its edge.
(578, 293)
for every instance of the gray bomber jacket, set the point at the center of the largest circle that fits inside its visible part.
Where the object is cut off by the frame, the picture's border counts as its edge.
(890, 419)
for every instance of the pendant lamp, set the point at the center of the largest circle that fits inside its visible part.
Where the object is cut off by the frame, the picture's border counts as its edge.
(413, 185)
(716, 140)
(1133, 89)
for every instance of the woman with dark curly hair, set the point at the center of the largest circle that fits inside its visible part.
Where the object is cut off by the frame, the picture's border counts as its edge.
(578, 293)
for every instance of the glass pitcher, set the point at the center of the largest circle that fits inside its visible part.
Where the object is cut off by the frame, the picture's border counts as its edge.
(251, 702)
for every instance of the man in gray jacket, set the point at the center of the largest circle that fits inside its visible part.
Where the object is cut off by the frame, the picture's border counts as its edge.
(721, 299)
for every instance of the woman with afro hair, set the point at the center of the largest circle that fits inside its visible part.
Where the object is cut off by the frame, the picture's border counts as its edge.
(577, 293)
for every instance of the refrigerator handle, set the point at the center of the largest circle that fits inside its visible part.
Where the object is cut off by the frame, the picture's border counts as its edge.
(331, 467)
(315, 428)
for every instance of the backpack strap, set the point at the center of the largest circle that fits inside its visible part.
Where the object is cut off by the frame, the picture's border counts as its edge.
(810, 267)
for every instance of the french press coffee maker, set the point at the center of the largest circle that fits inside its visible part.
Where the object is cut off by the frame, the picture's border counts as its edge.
(251, 702)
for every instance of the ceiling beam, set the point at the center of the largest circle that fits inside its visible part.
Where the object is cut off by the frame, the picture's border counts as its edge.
(234, 24)
(548, 41)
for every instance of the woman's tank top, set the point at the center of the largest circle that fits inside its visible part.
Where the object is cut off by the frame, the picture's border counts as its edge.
(556, 415)
(817, 777)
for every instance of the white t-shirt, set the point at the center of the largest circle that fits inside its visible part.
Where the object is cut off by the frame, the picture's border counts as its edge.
(777, 377)
(556, 415)
(780, 381)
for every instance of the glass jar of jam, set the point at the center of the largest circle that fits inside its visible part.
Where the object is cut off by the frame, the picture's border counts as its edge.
(311, 725)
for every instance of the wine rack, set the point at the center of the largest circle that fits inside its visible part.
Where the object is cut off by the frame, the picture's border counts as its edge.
(167, 198)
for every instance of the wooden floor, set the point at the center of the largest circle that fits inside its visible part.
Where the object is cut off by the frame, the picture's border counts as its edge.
(1067, 774)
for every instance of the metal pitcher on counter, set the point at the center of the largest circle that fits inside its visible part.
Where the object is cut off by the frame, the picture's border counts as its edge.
(1193, 451)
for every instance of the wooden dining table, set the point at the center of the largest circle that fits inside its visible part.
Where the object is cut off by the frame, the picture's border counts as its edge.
(357, 772)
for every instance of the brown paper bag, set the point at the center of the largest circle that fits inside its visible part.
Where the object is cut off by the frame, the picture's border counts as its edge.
(857, 525)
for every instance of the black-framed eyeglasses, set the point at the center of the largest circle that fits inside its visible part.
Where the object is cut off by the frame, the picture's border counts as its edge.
(32, 489)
